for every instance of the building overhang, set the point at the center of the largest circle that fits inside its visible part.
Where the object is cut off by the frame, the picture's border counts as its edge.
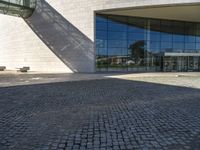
(190, 12)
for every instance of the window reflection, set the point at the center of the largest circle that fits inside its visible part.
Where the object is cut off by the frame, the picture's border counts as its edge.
(178, 38)
(190, 47)
(198, 47)
(198, 39)
(101, 35)
(166, 47)
(155, 47)
(136, 51)
(138, 44)
(136, 36)
(117, 43)
(190, 38)
(155, 36)
(101, 25)
(117, 35)
(178, 47)
(101, 43)
(166, 37)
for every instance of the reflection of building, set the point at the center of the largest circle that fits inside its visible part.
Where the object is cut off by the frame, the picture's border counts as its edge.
(64, 36)
(152, 44)
(22, 8)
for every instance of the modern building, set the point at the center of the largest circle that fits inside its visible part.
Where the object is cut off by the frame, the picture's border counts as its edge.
(100, 35)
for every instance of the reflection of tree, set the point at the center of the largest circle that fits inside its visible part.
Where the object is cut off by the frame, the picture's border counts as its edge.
(102, 61)
(137, 51)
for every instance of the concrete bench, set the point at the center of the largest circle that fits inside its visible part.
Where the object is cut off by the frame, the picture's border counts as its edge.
(24, 69)
(2, 68)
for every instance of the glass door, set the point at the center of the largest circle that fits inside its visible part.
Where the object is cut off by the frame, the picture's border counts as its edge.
(183, 64)
(170, 63)
(190, 63)
(196, 63)
(193, 63)
(179, 64)
(167, 63)
(174, 63)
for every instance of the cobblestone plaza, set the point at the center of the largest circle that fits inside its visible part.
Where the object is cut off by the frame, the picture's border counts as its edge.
(110, 114)
(99, 75)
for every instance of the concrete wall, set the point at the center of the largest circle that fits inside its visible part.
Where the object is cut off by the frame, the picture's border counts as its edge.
(20, 46)
(60, 34)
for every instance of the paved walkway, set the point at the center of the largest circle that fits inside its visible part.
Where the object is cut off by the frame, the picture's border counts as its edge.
(99, 114)
(13, 78)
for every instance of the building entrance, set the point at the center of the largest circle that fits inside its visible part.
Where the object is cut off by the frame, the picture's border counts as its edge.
(181, 63)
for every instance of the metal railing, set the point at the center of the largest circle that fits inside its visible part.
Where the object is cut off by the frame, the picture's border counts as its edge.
(21, 8)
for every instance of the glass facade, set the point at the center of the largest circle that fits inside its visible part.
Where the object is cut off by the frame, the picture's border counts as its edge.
(140, 44)
(22, 8)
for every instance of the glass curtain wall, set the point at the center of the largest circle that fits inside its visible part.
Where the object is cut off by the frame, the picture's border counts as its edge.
(138, 44)
(22, 8)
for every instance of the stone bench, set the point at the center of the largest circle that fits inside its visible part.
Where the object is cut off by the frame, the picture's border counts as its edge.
(2, 68)
(24, 69)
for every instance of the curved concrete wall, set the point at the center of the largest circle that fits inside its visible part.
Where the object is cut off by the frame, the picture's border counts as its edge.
(59, 36)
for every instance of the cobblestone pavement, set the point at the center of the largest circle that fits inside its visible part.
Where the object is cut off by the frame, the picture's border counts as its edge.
(12, 78)
(186, 80)
(104, 114)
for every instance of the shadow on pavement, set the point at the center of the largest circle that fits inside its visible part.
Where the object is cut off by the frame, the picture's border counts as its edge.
(107, 113)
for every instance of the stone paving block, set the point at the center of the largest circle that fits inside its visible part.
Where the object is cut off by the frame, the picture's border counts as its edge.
(100, 114)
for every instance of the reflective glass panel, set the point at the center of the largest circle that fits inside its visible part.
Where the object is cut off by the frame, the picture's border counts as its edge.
(139, 44)
(21, 8)
(117, 35)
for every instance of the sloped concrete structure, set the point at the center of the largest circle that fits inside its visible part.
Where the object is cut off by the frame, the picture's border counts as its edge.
(60, 35)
